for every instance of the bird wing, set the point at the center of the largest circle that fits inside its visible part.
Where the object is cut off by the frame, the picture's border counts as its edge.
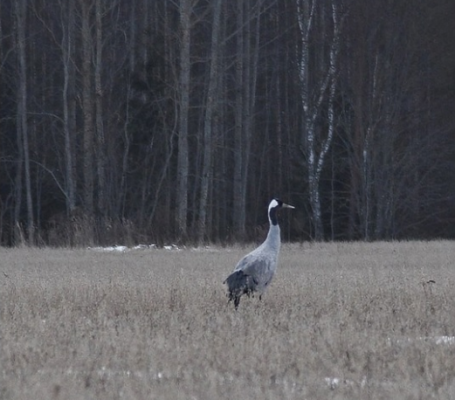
(259, 268)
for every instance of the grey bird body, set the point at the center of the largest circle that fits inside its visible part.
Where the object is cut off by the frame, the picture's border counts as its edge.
(254, 272)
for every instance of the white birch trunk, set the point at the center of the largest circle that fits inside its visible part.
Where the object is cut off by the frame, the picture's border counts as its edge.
(314, 147)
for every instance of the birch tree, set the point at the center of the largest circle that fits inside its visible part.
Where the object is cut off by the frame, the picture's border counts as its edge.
(140, 102)
(314, 83)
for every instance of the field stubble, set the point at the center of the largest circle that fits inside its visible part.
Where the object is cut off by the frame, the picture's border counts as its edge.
(341, 321)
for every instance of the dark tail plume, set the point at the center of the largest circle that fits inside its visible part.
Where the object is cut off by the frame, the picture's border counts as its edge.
(239, 284)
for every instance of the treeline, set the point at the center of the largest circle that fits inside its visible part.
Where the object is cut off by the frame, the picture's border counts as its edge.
(158, 121)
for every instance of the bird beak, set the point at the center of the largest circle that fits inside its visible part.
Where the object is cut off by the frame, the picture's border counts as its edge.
(287, 206)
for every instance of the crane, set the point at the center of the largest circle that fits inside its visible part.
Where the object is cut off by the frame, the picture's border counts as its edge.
(254, 272)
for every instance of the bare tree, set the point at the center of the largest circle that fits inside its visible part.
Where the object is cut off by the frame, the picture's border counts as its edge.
(315, 145)
(387, 121)
(22, 132)
(100, 145)
(68, 97)
(209, 120)
(239, 152)
(86, 7)
(248, 18)
(214, 106)
(185, 9)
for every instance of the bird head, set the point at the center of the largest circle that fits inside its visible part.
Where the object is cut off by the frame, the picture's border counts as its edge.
(275, 205)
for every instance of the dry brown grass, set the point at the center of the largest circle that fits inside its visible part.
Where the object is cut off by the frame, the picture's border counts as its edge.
(340, 321)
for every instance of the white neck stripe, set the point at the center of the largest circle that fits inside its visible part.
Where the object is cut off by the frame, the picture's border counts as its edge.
(273, 204)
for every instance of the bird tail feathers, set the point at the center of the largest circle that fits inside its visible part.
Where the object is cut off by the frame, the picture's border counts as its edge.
(239, 284)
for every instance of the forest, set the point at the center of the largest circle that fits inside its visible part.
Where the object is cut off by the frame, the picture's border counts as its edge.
(141, 121)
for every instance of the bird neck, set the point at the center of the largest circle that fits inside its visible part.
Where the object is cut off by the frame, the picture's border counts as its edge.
(273, 217)
(273, 239)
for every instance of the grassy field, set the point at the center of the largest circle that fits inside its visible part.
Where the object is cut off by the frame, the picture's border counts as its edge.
(340, 321)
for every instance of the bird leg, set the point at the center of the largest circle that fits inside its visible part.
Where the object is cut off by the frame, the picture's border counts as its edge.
(236, 302)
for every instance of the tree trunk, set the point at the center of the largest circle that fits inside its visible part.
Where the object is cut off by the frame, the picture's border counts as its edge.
(21, 15)
(305, 15)
(87, 109)
(210, 110)
(67, 95)
(251, 55)
(184, 91)
(316, 147)
(100, 145)
(239, 196)
(18, 181)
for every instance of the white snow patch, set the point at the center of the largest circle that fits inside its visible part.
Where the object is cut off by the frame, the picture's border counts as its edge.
(444, 339)
(208, 249)
(172, 247)
(144, 246)
(122, 249)
(439, 340)
(334, 382)
(169, 247)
